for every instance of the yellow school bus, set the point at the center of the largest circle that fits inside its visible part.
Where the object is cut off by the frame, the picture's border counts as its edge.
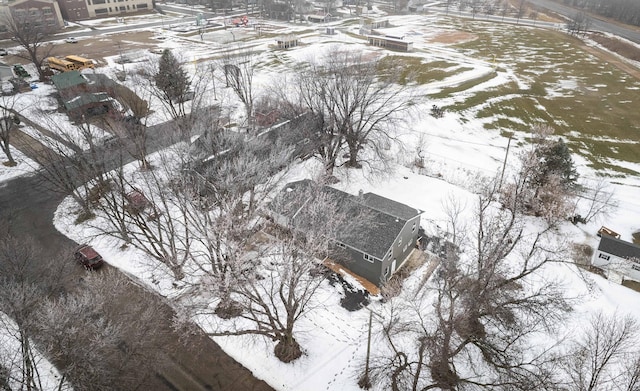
(81, 62)
(61, 65)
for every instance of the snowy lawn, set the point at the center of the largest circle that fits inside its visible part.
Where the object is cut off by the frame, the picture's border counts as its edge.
(483, 96)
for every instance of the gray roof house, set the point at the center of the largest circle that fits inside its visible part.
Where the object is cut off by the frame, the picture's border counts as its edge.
(377, 238)
(618, 258)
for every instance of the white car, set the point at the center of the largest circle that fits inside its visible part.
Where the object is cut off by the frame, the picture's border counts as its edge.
(71, 40)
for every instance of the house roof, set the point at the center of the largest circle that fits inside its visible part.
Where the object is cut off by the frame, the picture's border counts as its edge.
(85, 99)
(617, 247)
(390, 207)
(371, 229)
(69, 79)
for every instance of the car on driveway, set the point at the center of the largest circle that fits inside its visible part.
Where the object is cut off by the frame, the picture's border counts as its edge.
(88, 257)
(3, 52)
(20, 71)
(71, 40)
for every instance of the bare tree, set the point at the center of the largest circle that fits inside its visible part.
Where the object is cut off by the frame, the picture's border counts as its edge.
(522, 8)
(117, 330)
(349, 107)
(27, 281)
(597, 359)
(277, 289)
(580, 24)
(73, 163)
(31, 36)
(599, 199)
(9, 121)
(239, 70)
(486, 311)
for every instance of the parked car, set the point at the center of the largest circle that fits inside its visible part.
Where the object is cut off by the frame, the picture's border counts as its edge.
(20, 71)
(3, 52)
(71, 40)
(88, 257)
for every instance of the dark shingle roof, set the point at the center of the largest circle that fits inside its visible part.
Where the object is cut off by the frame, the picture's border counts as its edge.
(366, 228)
(390, 207)
(618, 247)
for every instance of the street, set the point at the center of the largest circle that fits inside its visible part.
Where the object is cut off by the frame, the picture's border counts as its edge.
(184, 362)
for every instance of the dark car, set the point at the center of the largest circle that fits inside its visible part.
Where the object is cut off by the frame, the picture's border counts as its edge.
(88, 257)
(20, 71)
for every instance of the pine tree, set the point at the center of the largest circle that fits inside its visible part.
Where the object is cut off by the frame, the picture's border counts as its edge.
(171, 78)
(555, 161)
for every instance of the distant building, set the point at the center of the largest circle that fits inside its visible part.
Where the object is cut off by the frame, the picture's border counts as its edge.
(391, 43)
(43, 14)
(287, 41)
(74, 10)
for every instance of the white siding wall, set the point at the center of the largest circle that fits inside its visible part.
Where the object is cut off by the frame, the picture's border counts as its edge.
(614, 264)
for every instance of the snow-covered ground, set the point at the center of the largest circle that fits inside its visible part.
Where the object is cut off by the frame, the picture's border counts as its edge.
(459, 152)
(11, 359)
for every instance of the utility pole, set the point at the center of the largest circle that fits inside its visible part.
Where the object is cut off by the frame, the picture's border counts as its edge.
(504, 164)
(364, 381)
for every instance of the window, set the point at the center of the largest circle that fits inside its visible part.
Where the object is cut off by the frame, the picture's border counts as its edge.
(389, 253)
(142, 6)
(386, 271)
(101, 11)
(400, 241)
(636, 267)
(604, 256)
(368, 257)
(413, 227)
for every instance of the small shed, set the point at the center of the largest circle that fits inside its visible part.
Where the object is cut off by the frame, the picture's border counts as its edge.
(287, 41)
(390, 43)
(319, 17)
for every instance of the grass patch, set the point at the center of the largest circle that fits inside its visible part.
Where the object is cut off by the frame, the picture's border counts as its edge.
(410, 70)
(559, 83)
(463, 86)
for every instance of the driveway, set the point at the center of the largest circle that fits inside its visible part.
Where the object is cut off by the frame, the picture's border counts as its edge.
(182, 362)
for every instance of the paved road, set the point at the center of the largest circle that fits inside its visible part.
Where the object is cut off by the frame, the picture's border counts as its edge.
(27, 205)
(597, 24)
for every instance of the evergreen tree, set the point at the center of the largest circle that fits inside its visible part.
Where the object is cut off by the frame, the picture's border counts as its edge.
(172, 84)
(555, 160)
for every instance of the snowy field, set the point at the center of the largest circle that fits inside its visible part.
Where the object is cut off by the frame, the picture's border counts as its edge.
(459, 150)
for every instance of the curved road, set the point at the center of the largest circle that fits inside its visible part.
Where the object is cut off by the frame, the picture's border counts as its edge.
(27, 206)
(630, 33)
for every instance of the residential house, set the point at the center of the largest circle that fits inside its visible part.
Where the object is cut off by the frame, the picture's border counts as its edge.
(82, 96)
(620, 259)
(377, 238)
